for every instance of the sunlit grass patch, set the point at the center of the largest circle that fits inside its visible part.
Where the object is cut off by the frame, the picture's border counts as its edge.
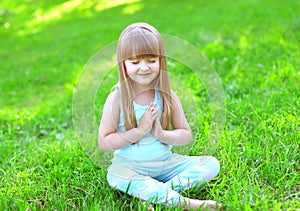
(253, 46)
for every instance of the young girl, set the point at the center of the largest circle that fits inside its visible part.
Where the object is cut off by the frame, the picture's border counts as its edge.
(142, 119)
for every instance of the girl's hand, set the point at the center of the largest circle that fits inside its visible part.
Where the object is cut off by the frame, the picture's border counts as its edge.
(157, 130)
(148, 118)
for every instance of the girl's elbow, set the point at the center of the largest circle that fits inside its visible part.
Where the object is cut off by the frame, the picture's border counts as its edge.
(189, 137)
(103, 146)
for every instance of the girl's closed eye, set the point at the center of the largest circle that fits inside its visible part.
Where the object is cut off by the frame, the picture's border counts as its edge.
(152, 60)
(135, 61)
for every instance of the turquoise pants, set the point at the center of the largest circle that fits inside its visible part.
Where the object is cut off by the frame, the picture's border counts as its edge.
(160, 180)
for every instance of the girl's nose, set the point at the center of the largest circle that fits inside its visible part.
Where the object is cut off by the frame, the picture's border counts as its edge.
(144, 66)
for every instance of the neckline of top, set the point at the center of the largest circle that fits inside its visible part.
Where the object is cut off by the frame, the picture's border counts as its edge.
(154, 100)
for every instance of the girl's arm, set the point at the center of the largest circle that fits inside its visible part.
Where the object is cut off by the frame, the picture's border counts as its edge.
(108, 137)
(181, 133)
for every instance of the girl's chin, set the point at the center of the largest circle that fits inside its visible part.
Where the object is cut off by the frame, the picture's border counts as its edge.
(144, 82)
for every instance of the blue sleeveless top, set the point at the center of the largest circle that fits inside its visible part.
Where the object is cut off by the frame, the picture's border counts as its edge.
(148, 147)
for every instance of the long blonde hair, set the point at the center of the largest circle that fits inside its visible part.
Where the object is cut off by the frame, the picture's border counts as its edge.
(140, 40)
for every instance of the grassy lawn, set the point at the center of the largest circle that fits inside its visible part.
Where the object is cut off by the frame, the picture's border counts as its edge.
(254, 47)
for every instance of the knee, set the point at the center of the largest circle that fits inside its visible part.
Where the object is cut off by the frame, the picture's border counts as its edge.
(111, 180)
(211, 164)
(117, 182)
(214, 165)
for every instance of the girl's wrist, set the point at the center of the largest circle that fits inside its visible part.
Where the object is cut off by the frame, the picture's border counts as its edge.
(162, 135)
(140, 132)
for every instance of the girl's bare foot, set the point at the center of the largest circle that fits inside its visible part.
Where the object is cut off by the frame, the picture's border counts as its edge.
(195, 204)
(148, 207)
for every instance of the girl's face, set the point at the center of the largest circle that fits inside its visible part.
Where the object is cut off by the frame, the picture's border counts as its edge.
(144, 70)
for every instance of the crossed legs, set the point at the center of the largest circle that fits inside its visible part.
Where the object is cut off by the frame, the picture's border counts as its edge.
(164, 188)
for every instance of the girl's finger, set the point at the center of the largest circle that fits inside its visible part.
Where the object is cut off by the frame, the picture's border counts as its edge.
(154, 111)
(155, 114)
(150, 107)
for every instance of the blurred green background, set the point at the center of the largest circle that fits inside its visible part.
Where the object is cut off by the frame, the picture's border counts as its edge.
(44, 46)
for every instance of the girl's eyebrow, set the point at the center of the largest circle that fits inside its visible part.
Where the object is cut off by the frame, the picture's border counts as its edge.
(132, 58)
(143, 57)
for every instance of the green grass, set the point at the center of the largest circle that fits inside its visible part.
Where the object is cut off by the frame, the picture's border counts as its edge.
(254, 47)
